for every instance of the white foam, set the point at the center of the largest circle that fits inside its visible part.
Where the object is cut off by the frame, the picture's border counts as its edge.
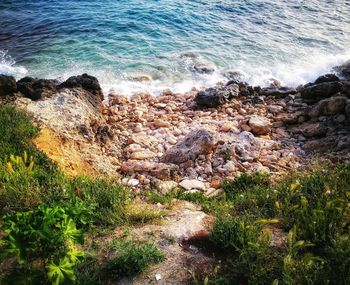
(8, 66)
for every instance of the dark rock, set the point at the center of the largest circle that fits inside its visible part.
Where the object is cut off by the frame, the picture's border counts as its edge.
(214, 97)
(343, 70)
(327, 78)
(311, 129)
(322, 90)
(234, 76)
(347, 110)
(7, 85)
(36, 89)
(86, 82)
(280, 92)
(199, 142)
(346, 89)
(203, 68)
(328, 107)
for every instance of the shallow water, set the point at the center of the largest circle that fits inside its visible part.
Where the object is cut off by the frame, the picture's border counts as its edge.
(293, 41)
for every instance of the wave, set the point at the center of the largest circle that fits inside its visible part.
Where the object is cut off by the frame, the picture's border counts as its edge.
(8, 65)
(300, 71)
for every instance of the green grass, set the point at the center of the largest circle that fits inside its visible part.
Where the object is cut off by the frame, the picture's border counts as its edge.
(133, 258)
(43, 212)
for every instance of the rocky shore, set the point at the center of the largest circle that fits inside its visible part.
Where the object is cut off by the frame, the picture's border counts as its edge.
(194, 140)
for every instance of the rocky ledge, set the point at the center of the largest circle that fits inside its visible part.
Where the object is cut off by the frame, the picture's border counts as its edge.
(193, 140)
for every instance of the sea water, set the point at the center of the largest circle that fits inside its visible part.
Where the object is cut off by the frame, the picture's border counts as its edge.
(114, 40)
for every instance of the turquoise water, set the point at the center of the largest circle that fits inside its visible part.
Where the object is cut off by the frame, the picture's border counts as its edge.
(293, 41)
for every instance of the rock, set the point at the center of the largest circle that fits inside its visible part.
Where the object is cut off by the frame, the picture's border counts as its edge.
(330, 106)
(311, 129)
(279, 92)
(234, 76)
(142, 155)
(327, 78)
(166, 186)
(347, 110)
(322, 90)
(287, 118)
(214, 97)
(343, 70)
(8, 85)
(215, 183)
(86, 82)
(36, 89)
(161, 124)
(194, 144)
(227, 127)
(192, 184)
(159, 170)
(259, 125)
(140, 77)
(346, 89)
(203, 67)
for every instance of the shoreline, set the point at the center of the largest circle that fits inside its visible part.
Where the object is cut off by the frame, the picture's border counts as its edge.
(194, 140)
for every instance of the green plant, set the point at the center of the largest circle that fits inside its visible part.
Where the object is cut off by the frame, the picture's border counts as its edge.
(133, 258)
(47, 234)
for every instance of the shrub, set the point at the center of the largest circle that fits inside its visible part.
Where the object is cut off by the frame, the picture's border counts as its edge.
(133, 258)
(47, 234)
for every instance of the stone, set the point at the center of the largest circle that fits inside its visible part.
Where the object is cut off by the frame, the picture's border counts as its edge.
(311, 129)
(346, 89)
(260, 125)
(330, 77)
(194, 144)
(140, 77)
(279, 92)
(347, 110)
(287, 118)
(322, 90)
(166, 186)
(8, 85)
(215, 183)
(142, 155)
(86, 82)
(203, 67)
(226, 127)
(330, 106)
(156, 169)
(36, 89)
(161, 124)
(343, 70)
(192, 184)
(214, 97)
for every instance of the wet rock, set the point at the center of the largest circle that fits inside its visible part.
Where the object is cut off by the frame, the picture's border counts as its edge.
(327, 78)
(194, 144)
(330, 106)
(214, 97)
(234, 76)
(159, 170)
(279, 92)
(322, 90)
(86, 82)
(260, 125)
(343, 70)
(203, 67)
(346, 89)
(8, 85)
(140, 77)
(36, 89)
(192, 184)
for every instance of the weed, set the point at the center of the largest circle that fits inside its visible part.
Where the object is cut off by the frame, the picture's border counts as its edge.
(133, 258)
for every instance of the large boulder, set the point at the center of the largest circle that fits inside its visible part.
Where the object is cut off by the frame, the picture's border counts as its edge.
(260, 125)
(36, 89)
(7, 85)
(199, 142)
(328, 107)
(214, 97)
(330, 77)
(86, 82)
(344, 70)
(322, 90)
